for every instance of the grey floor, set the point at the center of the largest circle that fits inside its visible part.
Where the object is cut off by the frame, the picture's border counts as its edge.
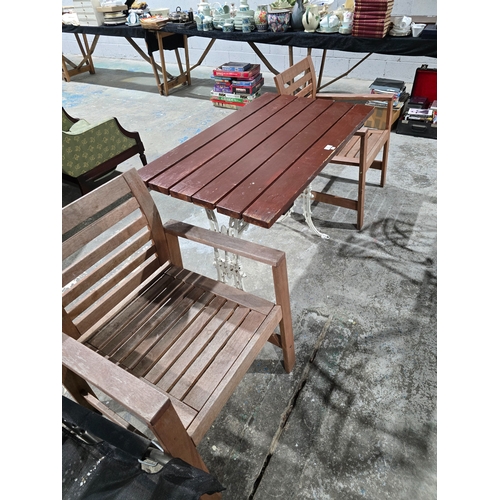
(357, 417)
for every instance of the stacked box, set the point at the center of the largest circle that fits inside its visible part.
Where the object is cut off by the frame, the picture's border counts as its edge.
(236, 84)
(87, 12)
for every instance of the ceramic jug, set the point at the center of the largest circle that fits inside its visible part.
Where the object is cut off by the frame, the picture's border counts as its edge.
(297, 14)
(310, 19)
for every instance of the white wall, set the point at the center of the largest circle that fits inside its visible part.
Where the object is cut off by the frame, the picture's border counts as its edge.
(338, 62)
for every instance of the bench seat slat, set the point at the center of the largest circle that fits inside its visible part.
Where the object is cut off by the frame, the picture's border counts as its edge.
(193, 367)
(168, 331)
(197, 342)
(204, 387)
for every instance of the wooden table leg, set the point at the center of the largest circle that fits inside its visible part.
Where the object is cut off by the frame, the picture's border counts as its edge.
(163, 64)
(86, 64)
(186, 57)
(322, 67)
(205, 52)
(320, 87)
(263, 58)
(170, 81)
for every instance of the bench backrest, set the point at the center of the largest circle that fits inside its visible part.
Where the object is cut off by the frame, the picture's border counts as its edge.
(298, 80)
(113, 241)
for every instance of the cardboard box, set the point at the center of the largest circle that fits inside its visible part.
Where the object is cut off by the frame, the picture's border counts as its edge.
(377, 120)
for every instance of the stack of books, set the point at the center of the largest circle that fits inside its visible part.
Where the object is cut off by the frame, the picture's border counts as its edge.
(385, 86)
(372, 18)
(236, 84)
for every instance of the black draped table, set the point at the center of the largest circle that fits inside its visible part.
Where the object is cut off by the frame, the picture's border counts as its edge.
(172, 38)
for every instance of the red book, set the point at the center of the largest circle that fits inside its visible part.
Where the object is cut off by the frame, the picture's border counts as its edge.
(237, 89)
(250, 74)
(376, 23)
(363, 20)
(227, 104)
(373, 4)
(371, 15)
(368, 33)
(374, 7)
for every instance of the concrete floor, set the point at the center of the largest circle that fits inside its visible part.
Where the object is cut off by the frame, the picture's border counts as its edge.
(356, 419)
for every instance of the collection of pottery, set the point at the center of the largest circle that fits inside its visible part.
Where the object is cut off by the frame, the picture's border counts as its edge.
(277, 17)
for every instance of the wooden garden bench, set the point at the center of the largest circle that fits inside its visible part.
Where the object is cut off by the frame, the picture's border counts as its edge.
(169, 344)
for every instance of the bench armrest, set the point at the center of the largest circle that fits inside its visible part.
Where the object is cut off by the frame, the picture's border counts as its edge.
(354, 97)
(145, 401)
(275, 258)
(237, 246)
(141, 399)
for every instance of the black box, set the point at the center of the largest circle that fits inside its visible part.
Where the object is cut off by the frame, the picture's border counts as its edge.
(418, 102)
(429, 32)
(423, 95)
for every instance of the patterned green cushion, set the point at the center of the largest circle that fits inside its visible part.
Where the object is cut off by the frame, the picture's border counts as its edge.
(96, 144)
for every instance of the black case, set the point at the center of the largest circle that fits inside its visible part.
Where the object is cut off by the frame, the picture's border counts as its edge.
(424, 86)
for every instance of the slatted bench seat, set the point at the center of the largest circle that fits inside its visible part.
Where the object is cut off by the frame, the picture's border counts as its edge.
(130, 308)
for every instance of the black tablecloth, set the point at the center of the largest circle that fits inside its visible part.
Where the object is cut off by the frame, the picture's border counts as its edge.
(390, 45)
(169, 43)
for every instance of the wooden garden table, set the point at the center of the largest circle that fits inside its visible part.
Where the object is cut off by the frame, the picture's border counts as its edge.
(253, 164)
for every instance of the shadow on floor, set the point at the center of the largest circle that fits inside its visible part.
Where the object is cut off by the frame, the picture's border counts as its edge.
(145, 82)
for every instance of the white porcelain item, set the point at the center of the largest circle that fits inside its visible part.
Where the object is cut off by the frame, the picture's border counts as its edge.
(416, 29)
(329, 22)
(310, 19)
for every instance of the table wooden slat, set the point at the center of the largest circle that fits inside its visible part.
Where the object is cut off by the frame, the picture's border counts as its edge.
(295, 138)
(184, 150)
(279, 197)
(236, 162)
(253, 164)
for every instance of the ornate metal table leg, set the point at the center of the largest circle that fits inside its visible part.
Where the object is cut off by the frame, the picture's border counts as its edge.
(307, 196)
(228, 267)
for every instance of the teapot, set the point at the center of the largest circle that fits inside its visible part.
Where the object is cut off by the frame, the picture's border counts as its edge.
(329, 23)
(133, 19)
(178, 16)
(204, 8)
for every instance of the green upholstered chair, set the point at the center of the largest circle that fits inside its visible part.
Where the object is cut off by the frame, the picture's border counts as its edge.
(91, 152)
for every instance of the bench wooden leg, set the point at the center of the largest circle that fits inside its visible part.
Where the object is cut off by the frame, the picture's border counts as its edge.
(385, 159)
(174, 439)
(77, 386)
(280, 277)
(362, 181)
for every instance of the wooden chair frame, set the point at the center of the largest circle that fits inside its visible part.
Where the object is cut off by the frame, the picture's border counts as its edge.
(363, 148)
(170, 345)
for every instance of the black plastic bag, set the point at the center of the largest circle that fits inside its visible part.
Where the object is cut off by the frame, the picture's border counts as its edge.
(95, 469)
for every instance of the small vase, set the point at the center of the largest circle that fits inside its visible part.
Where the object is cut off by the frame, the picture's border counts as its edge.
(310, 19)
(260, 18)
(297, 13)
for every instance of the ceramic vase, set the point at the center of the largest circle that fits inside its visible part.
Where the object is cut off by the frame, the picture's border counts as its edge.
(310, 19)
(260, 18)
(278, 20)
(297, 13)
